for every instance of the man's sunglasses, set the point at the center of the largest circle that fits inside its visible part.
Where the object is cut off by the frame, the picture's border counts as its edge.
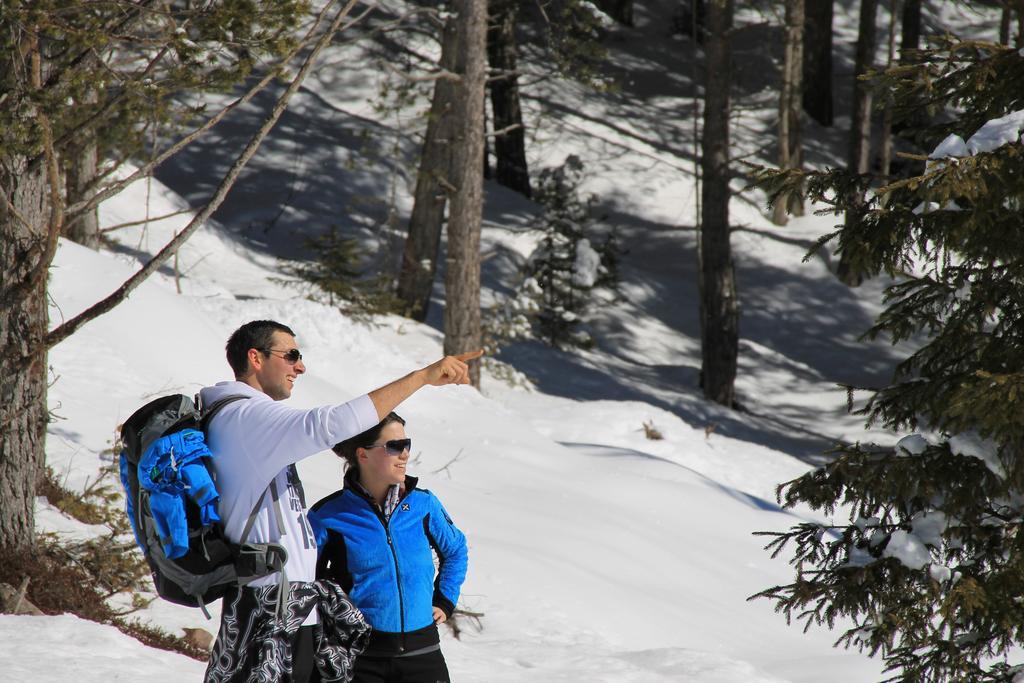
(292, 355)
(394, 447)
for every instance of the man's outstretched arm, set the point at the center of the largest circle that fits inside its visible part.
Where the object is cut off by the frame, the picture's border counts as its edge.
(448, 370)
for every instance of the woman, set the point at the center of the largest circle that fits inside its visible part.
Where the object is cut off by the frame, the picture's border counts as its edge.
(375, 538)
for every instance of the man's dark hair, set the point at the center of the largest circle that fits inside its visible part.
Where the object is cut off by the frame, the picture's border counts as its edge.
(257, 334)
(347, 448)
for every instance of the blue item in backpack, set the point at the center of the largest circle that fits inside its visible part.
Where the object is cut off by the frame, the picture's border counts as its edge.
(170, 469)
(129, 501)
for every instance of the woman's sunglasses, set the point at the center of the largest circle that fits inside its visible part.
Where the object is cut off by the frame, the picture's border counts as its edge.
(292, 355)
(394, 447)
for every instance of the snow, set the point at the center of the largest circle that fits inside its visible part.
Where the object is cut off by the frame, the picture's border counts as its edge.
(595, 553)
(970, 444)
(912, 444)
(908, 549)
(1004, 130)
(586, 267)
(66, 648)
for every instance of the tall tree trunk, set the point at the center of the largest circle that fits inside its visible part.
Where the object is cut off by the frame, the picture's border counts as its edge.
(911, 27)
(1019, 42)
(82, 164)
(1004, 24)
(619, 10)
(29, 226)
(719, 309)
(887, 116)
(790, 98)
(23, 324)
(419, 258)
(693, 19)
(462, 275)
(859, 151)
(510, 144)
(817, 58)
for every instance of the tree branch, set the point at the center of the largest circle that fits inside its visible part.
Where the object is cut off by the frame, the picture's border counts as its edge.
(147, 169)
(501, 131)
(68, 328)
(130, 224)
(442, 74)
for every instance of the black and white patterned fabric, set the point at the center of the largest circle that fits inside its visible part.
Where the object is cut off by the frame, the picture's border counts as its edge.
(255, 646)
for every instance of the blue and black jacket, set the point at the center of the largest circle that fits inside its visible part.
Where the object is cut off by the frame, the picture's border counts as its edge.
(386, 565)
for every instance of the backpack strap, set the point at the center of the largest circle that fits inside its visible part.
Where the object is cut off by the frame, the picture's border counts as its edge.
(264, 555)
(207, 413)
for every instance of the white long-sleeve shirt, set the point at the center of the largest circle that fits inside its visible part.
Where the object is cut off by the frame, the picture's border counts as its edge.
(255, 441)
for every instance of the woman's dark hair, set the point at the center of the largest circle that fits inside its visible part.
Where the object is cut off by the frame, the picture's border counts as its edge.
(347, 448)
(258, 334)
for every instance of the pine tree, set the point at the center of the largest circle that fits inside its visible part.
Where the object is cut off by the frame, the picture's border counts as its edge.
(930, 566)
(567, 265)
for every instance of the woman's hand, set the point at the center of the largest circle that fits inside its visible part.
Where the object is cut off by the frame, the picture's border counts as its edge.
(439, 616)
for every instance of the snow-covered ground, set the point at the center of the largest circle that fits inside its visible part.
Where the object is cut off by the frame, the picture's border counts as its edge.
(595, 553)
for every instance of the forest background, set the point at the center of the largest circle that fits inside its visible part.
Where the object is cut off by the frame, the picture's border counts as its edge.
(371, 190)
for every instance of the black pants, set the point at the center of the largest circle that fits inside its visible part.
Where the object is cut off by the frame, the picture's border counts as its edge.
(425, 668)
(302, 655)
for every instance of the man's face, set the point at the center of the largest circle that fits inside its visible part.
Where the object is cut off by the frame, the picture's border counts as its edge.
(275, 373)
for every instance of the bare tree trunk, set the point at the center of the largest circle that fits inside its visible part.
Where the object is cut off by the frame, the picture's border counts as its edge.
(462, 275)
(1005, 19)
(23, 323)
(1019, 42)
(817, 58)
(911, 27)
(82, 163)
(510, 138)
(29, 226)
(859, 152)
(720, 314)
(619, 10)
(419, 259)
(790, 100)
(886, 155)
(693, 19)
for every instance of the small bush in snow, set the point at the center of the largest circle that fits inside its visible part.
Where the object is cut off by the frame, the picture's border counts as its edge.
(561, 275)
(335, 276)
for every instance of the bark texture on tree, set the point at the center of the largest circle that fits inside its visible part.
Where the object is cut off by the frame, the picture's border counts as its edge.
(81, 172)
(423, 240)
(719, 307)
(859, 151)
(511, 169)
(817, 59)
(23, 323)
(28, 236)
(462, 331)
(791, 148)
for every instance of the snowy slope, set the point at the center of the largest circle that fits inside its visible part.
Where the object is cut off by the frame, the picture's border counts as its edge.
(594, 552)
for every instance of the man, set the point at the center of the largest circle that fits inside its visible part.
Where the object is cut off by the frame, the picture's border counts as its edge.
(267, 633)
